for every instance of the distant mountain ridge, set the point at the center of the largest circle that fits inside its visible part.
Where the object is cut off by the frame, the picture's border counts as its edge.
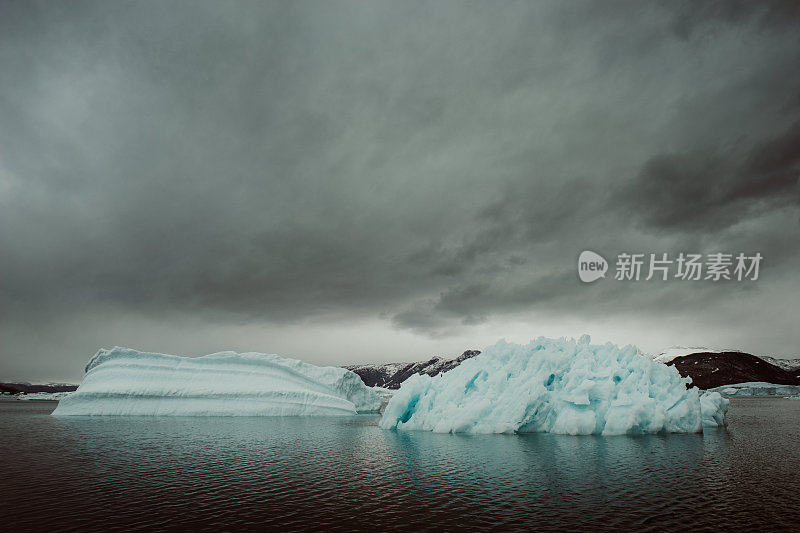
(714, 369)
(27, 388)
(792, 365)
(391, 375)
(707, 368)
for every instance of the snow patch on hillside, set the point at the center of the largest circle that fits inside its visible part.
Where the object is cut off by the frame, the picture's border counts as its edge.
(679, 351)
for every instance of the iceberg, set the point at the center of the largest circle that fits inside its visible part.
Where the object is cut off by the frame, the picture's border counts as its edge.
(757, 388)
(555, 386)
(122, 381)
(41, 396)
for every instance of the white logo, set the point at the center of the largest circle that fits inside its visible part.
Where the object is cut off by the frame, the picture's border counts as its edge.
(717, 267)
(591, 266)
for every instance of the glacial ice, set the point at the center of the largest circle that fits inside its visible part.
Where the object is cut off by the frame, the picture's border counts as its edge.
(122, 381)
(42, 396)
(556, 386)
(757, 388)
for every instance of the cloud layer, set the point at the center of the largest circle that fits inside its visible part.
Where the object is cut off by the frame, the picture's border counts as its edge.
(426, 167)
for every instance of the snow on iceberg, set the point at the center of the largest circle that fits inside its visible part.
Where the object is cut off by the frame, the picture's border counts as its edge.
(556, 386)
(128, 382)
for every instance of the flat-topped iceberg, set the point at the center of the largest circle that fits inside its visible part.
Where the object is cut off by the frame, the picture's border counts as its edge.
(556, 386)
(122, 381)
(757, 388)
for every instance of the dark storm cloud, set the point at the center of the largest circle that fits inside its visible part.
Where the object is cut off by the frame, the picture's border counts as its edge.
(691, 17)
(773, 168)
(437, 164)
(706, 191)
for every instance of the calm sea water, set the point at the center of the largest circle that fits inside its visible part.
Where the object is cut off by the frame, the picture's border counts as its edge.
(229, 474)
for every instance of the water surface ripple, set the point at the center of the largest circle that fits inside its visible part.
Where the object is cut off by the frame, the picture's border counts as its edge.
(211, 474)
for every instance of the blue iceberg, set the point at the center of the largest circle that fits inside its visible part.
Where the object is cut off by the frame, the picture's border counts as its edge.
(555, 386)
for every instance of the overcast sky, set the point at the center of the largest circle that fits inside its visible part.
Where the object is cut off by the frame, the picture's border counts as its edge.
(369, 181)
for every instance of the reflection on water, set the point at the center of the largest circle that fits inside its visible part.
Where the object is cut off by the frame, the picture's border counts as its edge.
(245, 473)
